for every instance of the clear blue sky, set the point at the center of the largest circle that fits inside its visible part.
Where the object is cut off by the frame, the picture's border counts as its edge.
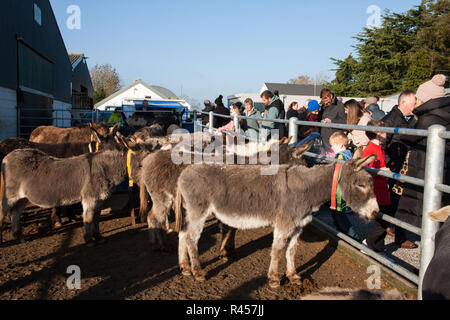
(210, 47)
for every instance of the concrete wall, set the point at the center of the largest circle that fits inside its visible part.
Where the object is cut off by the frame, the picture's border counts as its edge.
(8, 113)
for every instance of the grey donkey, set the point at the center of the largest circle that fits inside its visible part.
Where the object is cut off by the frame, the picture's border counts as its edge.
(47, 182)
(242, 198)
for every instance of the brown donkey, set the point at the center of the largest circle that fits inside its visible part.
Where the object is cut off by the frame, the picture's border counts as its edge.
(48, 182)
(242, 198)
(52, 135)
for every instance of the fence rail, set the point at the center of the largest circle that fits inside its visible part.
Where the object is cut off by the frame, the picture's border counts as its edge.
(432, 183)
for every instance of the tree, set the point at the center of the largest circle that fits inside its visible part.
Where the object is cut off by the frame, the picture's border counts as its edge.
(303, 79)
(105, 80)
(405, 51)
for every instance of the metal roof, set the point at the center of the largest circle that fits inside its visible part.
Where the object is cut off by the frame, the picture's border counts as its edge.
(74, 57)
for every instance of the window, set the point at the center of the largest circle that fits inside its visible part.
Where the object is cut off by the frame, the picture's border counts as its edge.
(37, 14)
(35, 72)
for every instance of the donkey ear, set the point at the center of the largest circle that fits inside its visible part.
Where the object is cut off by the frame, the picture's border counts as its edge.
(113, 130)
(358, 153)
(440, 215)
(303, 148)
(282, 141)
(129, 144)
(361, 163)
(95, 133)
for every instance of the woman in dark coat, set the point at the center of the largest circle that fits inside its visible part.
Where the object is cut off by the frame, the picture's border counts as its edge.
(434, 110)
(220, 109)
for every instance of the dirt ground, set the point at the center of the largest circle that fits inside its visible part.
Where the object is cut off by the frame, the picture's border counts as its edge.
(125, 267)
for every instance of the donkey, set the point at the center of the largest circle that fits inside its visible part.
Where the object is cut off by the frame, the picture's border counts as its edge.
(31, 175)
(103, 140)
(160, 175)
(62, 150)
(242, 198)
(51, 134)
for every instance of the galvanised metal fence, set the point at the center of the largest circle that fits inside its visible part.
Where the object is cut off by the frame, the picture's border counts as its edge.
(432, 184)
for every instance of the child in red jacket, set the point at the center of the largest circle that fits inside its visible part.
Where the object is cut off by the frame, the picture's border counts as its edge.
(375, 238)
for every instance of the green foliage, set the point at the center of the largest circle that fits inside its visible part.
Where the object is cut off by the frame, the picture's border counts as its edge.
(99, 95)
(405, 51)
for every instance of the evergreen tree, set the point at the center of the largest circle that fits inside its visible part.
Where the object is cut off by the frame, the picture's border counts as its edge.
(406, 50)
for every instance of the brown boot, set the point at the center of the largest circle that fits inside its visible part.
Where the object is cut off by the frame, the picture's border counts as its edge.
(407, 244)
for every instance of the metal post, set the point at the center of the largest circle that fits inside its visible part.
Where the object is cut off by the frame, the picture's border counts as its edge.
(236, 123)
(211, 122)
(434, 172)
(293, 130)
(195, 121)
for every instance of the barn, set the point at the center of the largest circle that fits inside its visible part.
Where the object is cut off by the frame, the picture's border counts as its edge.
(36, 71)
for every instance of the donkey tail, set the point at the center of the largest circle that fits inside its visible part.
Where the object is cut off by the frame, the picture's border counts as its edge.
(178, 211)
(144, 198)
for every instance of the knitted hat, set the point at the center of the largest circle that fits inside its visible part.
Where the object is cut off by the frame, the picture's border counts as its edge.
(432, 89)
(219, 100)
(313, 105)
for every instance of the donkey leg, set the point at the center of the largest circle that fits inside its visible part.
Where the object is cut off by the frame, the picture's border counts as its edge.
(194, 231)
(88, 224)
(156, 222)
(278, 245)
(96, 226)
(16, 212)
(227, 247)
(290, 258)
(3, 211)
(183, 259)
(55, 217)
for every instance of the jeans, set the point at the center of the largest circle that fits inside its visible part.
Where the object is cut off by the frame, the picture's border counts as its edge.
(343, 224)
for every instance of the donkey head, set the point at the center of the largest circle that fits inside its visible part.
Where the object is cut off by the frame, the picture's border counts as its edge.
(101, 128)
(357, 187)
(293, 154)
(138, 152)
(106, 139)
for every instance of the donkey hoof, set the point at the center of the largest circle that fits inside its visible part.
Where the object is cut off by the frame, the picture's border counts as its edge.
(295, 280)
(274, 283)
(199, 277)
(185, 272)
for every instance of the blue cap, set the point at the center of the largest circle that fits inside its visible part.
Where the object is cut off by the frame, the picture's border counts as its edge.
(313, 105)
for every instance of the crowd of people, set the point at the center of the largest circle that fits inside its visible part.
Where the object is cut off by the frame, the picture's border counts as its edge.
(403, 154)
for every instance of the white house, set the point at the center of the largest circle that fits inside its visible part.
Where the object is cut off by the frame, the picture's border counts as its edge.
(138, 90)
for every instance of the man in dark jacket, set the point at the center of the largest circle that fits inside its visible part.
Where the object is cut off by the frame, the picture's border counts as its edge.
(333, 111)
(220, 109)
(399, 117)
(208, 107)
(274, 110)
(434, 110)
